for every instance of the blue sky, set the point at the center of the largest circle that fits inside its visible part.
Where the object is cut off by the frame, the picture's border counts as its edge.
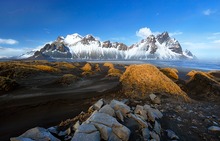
(27, 24)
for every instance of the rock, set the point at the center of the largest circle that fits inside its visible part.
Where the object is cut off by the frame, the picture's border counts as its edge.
(86, 128)
(152, 97)
(157, 100)
(140, 110)
(122, 132)
(214, 128)
(171, 135)
(113, 137)
(105, 119)
(98, 104)
(152, 113)
(125, 101)
(108, 110)
(155, 136)
(36, 133)
(105, 131)
(139, 120)
(157, 127)
(116, 105)
(76, 125)
(21, 139)
(119, 115)
(95, 136)
(53, 130)
(65, 133)
(146, 133)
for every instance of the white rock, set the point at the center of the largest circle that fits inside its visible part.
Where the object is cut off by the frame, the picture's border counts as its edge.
(105, 131)
(36, 133)
(76, 125)
(138, 109)
(95, 136)
(139, 120)
(116, 105)
(172, 135)
(214, 128)
(98, 104)
(105, 119)
(108, 110)
(152, 96)
(122, 132)
(86, 128)
(119, 115)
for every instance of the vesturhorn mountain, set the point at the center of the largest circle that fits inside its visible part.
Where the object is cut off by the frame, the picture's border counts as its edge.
(75, 46)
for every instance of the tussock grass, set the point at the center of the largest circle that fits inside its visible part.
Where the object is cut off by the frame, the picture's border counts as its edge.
(141, 80)
(170, 72)
(108, 64)
(7, 84)
(46, 68)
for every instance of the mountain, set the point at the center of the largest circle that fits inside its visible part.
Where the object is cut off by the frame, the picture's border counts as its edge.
(76, 46)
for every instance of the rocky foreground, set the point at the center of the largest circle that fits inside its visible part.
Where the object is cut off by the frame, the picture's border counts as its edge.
(129, 102)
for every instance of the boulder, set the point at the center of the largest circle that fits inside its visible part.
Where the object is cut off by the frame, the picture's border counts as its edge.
(117, 105)
(119, 115)
(94, 136)
(171, 135)
(157, 127)
(65, 133)
(105, 131)
(155, 136)
(36, 133)
(104, 119)
(98, 104)
(86, 128)
(142, 123)
(122, 132)
(76, 125)
(140, 110)
(113, 137)
(108, 110)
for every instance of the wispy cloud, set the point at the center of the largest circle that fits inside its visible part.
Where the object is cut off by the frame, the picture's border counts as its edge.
(216, 33)
(175, 33)
(216, 41)
(8, 41)
(208, 12)
(10, 52)
(145, 32)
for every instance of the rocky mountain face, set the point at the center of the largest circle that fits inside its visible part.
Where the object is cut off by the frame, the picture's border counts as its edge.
(75, 46)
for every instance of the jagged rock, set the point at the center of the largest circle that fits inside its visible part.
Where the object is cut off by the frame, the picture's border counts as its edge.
(152, 96)
(116, 105)
(146, 133)
(108, 110)
(214, 128)
(152, 113)
(157, 127)
(140, 110)
(171, 135)
(139, 120)
(119, 115)
(53, 130)
(105, 119)
(155, 136)
(154, 99)
(76, 125)
(98, 104)
(122, 132)
(113, 137)
(86, 128)
(65, 133)
(94, 136)
(105, 131)
(36, 133)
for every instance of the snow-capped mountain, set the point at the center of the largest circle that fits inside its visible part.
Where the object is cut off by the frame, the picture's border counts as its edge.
(76, 46)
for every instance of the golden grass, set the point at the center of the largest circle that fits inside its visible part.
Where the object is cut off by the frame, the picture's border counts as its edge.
(112, 72)
(97, 68)
(46, 68)
(87, 67)
(141, 80)
(65, 65)
(7, 84)
(108, 64)
(170, 72)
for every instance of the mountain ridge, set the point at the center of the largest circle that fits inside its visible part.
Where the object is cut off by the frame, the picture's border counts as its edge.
(75, 46)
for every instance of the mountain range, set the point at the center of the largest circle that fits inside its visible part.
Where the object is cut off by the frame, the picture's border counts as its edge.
(75, 46)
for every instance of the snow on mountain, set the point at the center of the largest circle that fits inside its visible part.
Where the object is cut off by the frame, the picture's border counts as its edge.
(75, 46)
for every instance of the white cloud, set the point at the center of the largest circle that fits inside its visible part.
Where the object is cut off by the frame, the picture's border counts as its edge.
(8, 41)
(175, 33)
(145, 32)
(216, 33)
(216, 41)
(208, 12)
(10, 52)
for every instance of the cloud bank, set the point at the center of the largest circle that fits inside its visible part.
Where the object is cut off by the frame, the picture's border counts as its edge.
(145, 32)
(8, 41)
